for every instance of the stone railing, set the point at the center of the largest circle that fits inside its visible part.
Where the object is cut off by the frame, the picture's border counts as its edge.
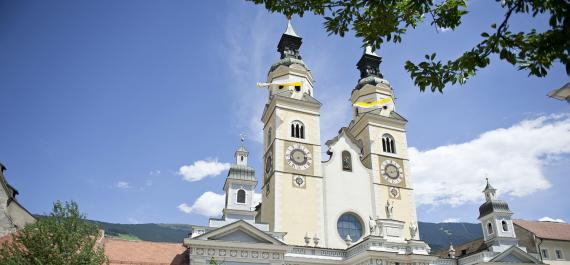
(442, 261)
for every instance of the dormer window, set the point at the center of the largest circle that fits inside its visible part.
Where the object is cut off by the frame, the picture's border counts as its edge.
(241, 196)
(388, 144)
(297, 130)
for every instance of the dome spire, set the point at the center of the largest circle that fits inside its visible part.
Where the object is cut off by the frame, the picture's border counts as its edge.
(369, 63)
(290, 31)
(489, 191)
(289, 43)
(241, 153)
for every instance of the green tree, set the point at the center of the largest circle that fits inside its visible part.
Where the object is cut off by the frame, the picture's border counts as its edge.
(380, 21)
(64, 237)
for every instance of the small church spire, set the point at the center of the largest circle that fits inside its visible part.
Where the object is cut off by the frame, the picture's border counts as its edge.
(369, 63)
(241, 153)
(489, 191)
(289, 43)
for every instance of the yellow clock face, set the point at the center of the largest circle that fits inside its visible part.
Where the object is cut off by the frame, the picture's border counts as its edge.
(391, 171)
(298, 157)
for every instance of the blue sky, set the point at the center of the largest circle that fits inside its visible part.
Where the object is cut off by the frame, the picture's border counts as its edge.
(103, 102)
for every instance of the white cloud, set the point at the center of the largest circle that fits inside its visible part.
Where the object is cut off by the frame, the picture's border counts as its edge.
(202, 168)
(211, 204)
(512, 157)
(123, 185)
(154, 173)
(451, 220)
(548, 219)
(444, 29)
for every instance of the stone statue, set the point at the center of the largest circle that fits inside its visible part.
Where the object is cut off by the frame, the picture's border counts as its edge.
(372, 225)
(379, 228)
(413, 230)
(389, 209)
(307, 239)
(348, 240)
(316, 239)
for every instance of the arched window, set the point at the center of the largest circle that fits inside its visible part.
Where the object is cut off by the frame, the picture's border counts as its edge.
(241, 158)
(489, 228)
(241, 196)
(297, 130)
(269, 136)
(346, 161)
(388, 144)
(505, 226)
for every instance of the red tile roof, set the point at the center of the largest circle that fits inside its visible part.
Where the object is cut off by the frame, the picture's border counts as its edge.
(546, 230)
(6, 239)
(123, 252)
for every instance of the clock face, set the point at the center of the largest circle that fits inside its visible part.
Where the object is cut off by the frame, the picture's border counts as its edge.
(298, 157)
(392, 172)
(268, 163)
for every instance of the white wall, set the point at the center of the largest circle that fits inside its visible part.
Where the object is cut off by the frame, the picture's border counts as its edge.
(345, 192)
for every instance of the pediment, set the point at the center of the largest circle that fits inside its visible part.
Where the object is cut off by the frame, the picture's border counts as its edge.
(344, 133)
(240, 231)
(515, 255)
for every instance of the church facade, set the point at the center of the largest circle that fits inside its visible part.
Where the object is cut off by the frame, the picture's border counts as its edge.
(307, 215)
(355, 206)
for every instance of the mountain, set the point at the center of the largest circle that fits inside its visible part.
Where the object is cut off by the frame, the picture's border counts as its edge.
(437, 235)
(146, 232)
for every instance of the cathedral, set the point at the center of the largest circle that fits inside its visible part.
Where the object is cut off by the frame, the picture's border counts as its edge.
(305, 203)
(307, 215)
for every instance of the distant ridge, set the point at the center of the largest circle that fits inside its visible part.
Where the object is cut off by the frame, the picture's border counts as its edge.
(437, 235)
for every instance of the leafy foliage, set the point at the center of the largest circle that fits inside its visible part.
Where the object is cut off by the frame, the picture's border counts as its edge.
(380, 21)
(62, 238)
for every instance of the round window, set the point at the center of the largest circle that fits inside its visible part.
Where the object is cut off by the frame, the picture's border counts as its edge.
(349, 224)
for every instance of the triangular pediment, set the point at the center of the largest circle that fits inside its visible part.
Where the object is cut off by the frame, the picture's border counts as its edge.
(240, 231)
(515, 255)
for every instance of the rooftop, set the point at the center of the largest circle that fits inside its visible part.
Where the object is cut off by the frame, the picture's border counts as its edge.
(546, 230)
(241, 172)
(121, 251)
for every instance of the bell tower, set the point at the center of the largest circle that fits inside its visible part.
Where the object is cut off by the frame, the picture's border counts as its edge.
(292, 182)
(496, 222)
(383, 133)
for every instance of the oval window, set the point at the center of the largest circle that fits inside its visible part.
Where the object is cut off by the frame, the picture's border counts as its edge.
(349, 224)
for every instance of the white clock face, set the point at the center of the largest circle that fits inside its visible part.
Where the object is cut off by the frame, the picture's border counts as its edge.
(298, 157)
(391, 171)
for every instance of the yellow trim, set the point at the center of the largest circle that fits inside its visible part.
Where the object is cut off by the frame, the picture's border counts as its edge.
(383, 101)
